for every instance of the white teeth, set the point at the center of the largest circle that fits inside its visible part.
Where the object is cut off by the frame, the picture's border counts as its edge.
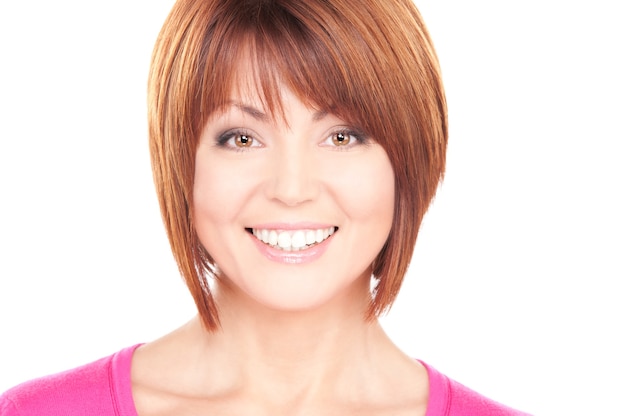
(293, 240)
(272, 238)
(297, 240)
(310, 237)
(284, 240)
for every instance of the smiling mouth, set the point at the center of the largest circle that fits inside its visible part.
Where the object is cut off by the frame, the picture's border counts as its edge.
(292, 240)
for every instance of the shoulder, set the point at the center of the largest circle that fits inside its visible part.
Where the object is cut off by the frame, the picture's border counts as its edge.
(95, 389)
(450, 398)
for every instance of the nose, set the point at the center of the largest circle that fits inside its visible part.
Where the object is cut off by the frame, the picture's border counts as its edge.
(293, 179)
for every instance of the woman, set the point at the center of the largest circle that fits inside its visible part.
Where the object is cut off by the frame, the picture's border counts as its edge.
(295, 147)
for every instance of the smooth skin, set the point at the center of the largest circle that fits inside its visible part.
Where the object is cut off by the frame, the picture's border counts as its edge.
(293, 339)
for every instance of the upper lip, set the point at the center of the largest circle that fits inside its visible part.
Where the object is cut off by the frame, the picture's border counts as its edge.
(291, 226)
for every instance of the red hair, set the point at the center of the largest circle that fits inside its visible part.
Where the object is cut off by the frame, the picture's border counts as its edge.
(369, 62)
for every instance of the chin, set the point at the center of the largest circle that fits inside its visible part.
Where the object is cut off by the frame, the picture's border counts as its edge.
(298, 294)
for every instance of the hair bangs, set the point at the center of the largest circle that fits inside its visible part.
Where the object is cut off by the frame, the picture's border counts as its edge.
(257, 51)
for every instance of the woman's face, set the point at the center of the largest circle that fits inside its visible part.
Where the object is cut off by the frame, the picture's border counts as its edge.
(293, 211)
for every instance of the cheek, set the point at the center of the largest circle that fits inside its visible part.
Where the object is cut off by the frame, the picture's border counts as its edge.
(366, 189)
(216, 187)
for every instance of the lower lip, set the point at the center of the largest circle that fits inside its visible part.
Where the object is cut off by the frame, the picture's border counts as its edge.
(307, 255)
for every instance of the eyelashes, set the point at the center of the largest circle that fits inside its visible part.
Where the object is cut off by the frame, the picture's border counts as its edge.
(241, 139)
(238, 139)
(346, 138)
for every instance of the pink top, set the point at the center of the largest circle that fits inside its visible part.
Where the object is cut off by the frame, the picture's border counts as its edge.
(103, 388)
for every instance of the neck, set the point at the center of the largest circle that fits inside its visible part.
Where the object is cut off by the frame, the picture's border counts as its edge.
(284, 359)
(293, 335)
(299, 350)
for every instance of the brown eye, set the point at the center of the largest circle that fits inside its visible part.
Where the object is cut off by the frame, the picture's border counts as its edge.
(241, 140)
(341, 139)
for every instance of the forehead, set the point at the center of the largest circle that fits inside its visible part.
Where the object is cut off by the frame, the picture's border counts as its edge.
(263, 91)
(256, 66)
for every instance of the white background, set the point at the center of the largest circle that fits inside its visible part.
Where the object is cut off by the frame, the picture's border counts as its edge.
(515, 288)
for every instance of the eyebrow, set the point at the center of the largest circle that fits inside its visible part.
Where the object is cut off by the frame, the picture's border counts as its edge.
(251, 111)
(261, 116)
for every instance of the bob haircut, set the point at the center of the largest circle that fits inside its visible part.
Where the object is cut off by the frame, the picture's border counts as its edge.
(369, 62)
